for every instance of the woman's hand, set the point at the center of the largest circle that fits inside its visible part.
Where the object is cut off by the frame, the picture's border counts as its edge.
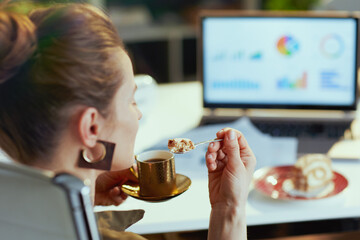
(231, 164)
(108, 187)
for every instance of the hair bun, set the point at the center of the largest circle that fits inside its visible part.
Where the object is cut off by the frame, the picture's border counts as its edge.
(17, 43)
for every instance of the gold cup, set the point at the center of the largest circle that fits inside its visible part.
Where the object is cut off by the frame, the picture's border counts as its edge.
(156, 173)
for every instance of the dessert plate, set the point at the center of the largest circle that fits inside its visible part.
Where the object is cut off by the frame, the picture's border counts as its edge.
(133, 189)
(275, 183)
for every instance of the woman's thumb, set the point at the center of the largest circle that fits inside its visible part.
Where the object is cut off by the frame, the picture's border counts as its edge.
(232, 149)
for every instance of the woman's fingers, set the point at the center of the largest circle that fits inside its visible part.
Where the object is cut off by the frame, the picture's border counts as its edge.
(221, 155)
(210, 159)
(247, 153)
(215, 160)
(220, 134)
(211, 156)
(214, 146)
(117, 196)
(232, 151)
(245, 150)
(130, 175)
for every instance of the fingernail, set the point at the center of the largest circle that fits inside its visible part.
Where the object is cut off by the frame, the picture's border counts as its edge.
(232, 135)
(210, 156)
(211, 144)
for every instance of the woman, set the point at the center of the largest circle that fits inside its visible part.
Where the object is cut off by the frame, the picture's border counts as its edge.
(67, 104)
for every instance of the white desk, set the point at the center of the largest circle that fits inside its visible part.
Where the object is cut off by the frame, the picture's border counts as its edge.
(179, 109)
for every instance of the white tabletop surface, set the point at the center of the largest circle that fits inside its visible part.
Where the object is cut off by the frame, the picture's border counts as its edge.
(178, 108)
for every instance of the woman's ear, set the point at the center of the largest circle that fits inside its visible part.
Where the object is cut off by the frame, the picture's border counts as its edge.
(89, 126)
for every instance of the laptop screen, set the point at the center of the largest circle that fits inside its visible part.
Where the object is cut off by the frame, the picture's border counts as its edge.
(279, 62)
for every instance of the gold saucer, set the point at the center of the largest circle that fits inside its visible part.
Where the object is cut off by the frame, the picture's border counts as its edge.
(132, 189)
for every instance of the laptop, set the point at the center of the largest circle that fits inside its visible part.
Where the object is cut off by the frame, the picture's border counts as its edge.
(292, 73)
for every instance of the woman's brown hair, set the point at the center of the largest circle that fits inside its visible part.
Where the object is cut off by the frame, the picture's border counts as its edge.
(50, 61)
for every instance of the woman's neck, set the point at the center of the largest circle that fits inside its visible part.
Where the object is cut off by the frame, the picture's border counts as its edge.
(65, 160)
(88, 176)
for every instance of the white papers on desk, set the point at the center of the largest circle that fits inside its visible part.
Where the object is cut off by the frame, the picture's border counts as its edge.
(345, 149)
(348, 149)
(269, 151)
(355, 129)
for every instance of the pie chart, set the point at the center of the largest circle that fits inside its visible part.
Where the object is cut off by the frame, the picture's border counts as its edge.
(332, 46)
(287, 45)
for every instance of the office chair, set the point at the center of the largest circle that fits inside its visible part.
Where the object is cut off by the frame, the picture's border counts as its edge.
(37, 204)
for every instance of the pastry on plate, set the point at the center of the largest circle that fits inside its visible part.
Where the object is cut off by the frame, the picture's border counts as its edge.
(312, 172)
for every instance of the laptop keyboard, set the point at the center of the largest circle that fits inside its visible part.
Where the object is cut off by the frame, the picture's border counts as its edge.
(292, 128)
(303, 129)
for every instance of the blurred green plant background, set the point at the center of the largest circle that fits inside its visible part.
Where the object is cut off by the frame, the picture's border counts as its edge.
(25, 6)
(289, 4)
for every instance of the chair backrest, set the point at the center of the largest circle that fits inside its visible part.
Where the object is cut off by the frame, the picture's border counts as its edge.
(37, 204)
